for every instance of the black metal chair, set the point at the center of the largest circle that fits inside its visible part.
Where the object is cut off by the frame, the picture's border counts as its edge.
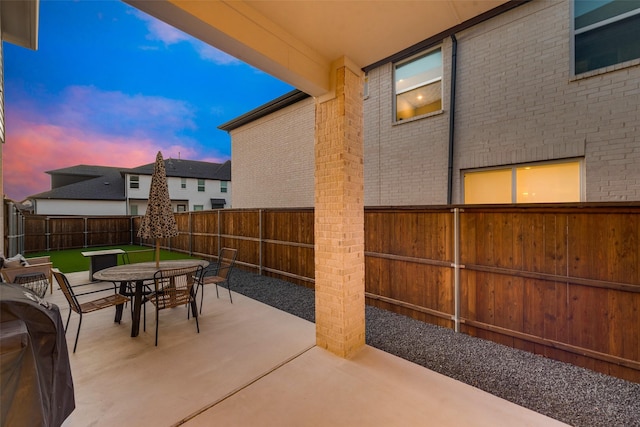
(87, 306)
(218, 273)
(174, 288)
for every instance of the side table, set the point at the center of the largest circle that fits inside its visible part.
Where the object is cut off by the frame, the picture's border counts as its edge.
(36, 282)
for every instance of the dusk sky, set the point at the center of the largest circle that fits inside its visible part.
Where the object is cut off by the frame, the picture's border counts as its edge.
(111, 86)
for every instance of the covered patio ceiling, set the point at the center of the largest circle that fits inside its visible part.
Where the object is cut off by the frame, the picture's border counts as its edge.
(296, 41)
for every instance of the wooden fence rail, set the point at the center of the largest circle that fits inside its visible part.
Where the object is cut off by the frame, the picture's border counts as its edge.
(557, 280)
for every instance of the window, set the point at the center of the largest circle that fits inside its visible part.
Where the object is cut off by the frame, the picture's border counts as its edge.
(533, 183)
(201, 185)
(133, 210)
(606, 32)
(183, 182)
(418, 85)
(223, 186)
(182, 208)
(198, 207)
(134, 181)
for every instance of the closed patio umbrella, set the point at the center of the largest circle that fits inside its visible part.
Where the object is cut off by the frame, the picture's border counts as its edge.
(158, 221)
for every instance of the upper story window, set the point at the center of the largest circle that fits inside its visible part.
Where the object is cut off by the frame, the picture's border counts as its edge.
(606, 32)
(134, 181)
(558, 182)
(418, 85)
(183, 182)
(200, 184)
(223, 186)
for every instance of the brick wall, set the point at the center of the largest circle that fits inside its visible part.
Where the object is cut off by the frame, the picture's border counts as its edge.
(273, 159)
(516, 103)
(339, 218)
(405, 163)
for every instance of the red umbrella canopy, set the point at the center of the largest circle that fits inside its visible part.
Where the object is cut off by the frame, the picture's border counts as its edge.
(158, 221)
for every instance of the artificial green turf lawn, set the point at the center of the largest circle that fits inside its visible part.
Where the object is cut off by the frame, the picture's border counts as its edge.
(71, 260)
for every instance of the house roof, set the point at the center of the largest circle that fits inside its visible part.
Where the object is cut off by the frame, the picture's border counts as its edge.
(189, 169)
(87, 182)
(279, 103)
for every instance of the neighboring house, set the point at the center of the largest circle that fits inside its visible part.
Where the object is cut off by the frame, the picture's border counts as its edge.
(193, 186)
(101, 190)
(547, 109)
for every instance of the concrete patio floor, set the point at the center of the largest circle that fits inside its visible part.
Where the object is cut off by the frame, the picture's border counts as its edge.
(253, 365)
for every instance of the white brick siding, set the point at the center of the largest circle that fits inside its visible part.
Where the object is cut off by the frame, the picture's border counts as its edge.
(273, 159)
(516, 102)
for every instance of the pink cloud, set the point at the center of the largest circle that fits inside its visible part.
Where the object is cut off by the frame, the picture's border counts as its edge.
(31, 149)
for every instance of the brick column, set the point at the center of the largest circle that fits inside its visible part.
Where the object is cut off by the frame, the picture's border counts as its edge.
(339, 215)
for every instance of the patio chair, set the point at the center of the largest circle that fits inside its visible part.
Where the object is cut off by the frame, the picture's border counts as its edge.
(174, 288)
(218, 273)
(87, 306)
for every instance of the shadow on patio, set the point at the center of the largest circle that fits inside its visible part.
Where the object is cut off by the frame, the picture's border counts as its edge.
(252, 364)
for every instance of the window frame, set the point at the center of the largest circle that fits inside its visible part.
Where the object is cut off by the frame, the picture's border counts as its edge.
(395, 93)
(183, 182)
(595, 27)
(201, 185)
(134, 182)
(514, 184)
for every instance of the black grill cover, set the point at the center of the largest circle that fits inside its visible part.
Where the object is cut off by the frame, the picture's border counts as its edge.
(35, 375)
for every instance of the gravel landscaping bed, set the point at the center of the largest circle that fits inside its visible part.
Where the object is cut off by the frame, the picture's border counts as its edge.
(565, 392)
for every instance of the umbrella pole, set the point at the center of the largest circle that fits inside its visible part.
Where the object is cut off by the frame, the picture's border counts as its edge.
(157, 252)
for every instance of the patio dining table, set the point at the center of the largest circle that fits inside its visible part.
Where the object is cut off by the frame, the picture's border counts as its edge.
(138, 273)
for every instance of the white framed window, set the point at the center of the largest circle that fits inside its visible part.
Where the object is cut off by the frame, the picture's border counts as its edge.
(223, 186)
(418, 85)
(198, 207)
(551, 182)
(133, 210)
(200, 184)
(183, 182)
(605, 33)
(134, 181)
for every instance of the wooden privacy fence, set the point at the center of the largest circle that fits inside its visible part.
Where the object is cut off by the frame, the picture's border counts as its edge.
(53, 233)
(274, 242)
(557, 280)
(562, 281)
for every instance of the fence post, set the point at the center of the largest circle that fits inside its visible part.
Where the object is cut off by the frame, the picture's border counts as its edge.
(456, 268)
(21, 231)
(260, 242)
(48, 233)
(14, 217)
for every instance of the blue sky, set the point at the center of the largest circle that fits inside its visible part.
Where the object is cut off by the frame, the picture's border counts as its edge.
(111, 86)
